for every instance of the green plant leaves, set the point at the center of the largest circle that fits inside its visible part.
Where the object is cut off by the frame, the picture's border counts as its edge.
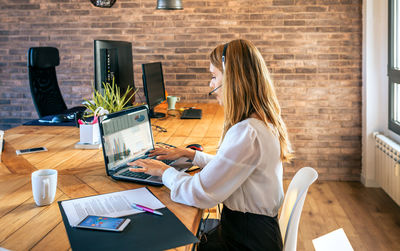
(111, 100)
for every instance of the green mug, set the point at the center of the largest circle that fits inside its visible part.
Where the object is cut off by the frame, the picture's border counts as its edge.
(171, 100)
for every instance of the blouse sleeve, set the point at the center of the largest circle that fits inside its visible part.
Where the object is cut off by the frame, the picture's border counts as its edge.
(201, 159)
(235, 161)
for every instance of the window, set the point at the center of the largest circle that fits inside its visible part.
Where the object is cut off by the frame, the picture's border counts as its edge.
(394, 66)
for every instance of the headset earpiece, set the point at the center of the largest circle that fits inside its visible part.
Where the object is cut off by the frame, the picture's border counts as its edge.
(223, 56)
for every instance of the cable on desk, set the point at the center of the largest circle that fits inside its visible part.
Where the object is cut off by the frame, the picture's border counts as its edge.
(160, 128)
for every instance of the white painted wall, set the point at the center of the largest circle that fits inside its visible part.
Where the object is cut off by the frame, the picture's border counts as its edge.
(375, 84)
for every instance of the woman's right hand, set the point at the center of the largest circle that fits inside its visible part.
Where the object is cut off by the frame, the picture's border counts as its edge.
(172, 153)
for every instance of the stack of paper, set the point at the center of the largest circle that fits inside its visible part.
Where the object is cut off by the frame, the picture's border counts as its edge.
(116, 204)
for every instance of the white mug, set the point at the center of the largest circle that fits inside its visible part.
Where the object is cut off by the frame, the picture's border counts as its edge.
(44, 186)
(171, 100)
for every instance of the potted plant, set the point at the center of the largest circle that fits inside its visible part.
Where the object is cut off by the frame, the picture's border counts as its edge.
(107, 102)
(110, 100)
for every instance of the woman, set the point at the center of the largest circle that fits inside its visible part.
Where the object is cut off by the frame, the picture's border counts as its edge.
(246, 174)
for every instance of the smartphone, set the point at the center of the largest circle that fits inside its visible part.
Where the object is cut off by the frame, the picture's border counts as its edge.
(31, 150)
(104, 223)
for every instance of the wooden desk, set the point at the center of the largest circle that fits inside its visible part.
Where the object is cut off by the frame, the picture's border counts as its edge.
(24, 226)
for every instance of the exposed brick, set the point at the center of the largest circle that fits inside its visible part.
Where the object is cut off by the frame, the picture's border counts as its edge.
(306, 70)
(294, 22)
(283, 56)
(283, 2)
(312, 49)
(316, 8)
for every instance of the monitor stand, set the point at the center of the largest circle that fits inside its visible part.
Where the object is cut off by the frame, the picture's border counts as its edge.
(154, 114)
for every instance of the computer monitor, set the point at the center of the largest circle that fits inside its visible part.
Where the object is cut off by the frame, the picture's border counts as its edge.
(113, 59)
(153, 85)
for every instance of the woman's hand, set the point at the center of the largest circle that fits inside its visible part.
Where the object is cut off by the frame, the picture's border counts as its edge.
(149, 166)
(172, 153)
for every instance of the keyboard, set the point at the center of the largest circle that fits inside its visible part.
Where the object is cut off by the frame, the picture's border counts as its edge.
(137, 175)
(140, 175)
(191, 114)
(167, 161)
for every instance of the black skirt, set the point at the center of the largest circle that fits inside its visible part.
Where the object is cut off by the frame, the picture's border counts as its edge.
(243, 231)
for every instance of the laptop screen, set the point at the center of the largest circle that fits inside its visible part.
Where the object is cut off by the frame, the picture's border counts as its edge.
(126, 137)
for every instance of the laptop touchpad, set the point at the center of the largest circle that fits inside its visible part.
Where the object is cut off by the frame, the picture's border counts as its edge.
(155, 178)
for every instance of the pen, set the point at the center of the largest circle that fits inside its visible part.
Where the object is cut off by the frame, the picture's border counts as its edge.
(143, 208)
(94, 121)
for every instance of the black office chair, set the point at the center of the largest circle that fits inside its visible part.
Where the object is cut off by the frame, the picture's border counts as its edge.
(46, 94)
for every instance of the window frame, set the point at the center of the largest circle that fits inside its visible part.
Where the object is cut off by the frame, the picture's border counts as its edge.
(393, 74)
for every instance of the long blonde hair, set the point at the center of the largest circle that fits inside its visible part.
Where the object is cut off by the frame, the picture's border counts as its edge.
(248, 89)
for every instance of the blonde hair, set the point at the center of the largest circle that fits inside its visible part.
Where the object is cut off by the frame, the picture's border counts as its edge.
(248, 89)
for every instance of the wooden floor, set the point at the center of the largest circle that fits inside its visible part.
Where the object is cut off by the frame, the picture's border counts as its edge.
(369, 217)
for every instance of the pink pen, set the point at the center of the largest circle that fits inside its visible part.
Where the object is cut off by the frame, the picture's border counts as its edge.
(143, 208)
(95, 119)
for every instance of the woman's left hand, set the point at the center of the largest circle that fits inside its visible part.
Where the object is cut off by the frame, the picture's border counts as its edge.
(149, 166)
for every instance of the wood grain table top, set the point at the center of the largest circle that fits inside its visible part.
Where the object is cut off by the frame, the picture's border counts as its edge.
(81, 173)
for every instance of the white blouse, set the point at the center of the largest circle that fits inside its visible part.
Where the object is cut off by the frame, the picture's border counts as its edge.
(246, 174)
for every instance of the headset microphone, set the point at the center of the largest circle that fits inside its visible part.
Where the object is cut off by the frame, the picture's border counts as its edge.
(223, 67)
(211, 92)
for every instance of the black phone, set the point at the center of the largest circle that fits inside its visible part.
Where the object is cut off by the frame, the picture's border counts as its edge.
(104, 223)
(31, 150)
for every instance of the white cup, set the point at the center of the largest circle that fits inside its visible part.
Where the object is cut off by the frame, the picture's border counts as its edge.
(171, 100)
(44, 186)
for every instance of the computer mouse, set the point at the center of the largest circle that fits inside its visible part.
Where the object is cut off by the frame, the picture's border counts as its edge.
(197, 147)
(59, 118)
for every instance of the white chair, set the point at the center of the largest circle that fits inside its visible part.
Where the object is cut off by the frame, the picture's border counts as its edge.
(293, 205)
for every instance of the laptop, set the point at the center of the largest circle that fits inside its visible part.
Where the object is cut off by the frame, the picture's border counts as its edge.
(127, 136)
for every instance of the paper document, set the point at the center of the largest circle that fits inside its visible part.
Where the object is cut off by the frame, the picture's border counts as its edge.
(335, 240)
(116, 204)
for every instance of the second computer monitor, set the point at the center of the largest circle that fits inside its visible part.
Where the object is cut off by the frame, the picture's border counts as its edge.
(153, 85)
(113, 62)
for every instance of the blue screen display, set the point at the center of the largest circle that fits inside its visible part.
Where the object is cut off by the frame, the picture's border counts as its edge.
(102, 222)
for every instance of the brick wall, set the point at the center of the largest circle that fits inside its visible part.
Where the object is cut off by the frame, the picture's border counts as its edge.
(312, 47)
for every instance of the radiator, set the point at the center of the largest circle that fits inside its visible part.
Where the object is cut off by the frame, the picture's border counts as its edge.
(387, 165)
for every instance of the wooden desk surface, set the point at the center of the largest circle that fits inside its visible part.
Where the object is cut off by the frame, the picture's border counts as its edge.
(24, 226)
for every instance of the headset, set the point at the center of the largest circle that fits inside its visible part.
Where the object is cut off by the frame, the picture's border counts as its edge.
(223, 67)
(223, 56)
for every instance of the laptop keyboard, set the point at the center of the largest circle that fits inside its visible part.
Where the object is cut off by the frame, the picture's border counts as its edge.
(140, 175)
(137, 175)
(167, 161)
